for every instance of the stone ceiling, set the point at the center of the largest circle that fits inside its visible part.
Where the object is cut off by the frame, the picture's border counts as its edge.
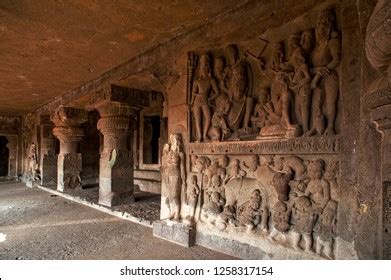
(50, 47)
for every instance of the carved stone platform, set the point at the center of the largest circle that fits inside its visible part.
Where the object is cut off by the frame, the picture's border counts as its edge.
(175, 232)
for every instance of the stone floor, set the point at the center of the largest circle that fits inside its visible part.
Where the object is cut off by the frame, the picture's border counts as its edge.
(145, 208)
(39, 225)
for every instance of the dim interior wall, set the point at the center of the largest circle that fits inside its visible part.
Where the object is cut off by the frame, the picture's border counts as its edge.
(10, 127)
(90, 147)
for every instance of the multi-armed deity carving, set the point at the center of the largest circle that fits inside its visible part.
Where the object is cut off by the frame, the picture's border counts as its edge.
(298, 96)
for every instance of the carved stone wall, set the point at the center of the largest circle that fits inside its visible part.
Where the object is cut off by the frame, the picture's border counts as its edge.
(267, 131)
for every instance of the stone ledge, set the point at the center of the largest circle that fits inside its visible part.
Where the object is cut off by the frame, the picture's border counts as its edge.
(119, 214)
(250, 248)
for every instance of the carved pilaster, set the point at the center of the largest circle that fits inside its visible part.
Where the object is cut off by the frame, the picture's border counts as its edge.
(68, 130)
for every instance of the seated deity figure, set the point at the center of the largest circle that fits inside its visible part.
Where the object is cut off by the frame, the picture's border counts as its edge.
(200, 99)
(252, 213)
(259, 118)
(278, 110)
(238, 86)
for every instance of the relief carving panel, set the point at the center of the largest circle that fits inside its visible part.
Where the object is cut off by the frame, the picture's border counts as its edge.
(298, 97)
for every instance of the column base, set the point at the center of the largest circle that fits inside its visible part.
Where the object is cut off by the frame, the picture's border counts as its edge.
(175, 232)
(114, 199)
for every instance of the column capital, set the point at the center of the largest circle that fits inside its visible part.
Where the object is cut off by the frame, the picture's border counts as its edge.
(70, 133)
(66, 116)
(114, 125)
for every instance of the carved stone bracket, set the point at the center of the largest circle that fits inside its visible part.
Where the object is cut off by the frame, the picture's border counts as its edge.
(127, 96)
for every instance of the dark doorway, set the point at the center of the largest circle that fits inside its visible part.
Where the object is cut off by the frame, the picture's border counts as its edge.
(151, 139)
(4, 156)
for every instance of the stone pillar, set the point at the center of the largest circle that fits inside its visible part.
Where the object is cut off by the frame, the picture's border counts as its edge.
(116, 160)
(68, 130)
(48, 158)
(117, 107)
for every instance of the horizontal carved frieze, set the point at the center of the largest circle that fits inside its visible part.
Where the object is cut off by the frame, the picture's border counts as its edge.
(311, 145)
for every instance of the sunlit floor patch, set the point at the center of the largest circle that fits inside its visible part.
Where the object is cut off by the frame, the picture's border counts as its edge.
(2, 237)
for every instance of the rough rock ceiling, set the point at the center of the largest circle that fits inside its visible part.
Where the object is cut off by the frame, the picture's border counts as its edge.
(49, 47)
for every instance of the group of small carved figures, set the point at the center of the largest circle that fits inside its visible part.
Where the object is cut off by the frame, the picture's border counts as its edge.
(286, 198)
(301, 99)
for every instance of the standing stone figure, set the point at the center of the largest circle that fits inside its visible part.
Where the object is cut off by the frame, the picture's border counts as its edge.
(325, 229)
(238, 87)
(193, 192)
(173, 172)
(301, 85)
(281, 216)
(200, 99)
(318, 189)
(325, 59)
(33, 162)
(303, 220)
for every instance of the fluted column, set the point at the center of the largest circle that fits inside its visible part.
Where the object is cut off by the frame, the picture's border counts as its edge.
(68, 130)
(116, 159)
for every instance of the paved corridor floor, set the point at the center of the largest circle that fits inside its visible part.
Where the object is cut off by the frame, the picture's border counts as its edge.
(35, 224)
